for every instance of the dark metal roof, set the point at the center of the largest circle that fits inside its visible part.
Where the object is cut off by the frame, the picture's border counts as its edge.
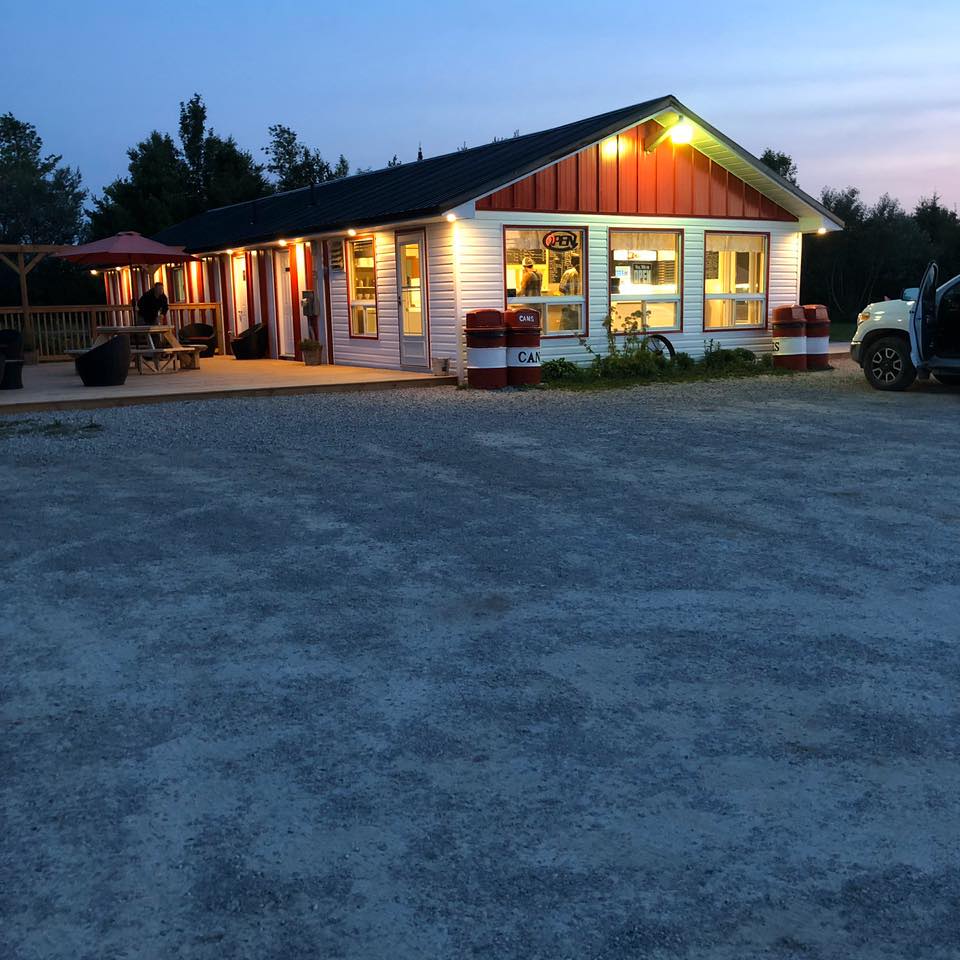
(422, 188)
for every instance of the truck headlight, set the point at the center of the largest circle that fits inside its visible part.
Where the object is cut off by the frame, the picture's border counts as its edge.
(863, 317)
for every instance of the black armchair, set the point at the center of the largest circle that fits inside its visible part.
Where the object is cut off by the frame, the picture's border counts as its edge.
(11, 350)
(202, 335)
(252, 344)
(106, 365)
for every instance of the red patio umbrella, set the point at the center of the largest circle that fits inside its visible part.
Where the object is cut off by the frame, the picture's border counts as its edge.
(124, 249)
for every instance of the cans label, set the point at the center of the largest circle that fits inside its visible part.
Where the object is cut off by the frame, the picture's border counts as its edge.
(523, 357)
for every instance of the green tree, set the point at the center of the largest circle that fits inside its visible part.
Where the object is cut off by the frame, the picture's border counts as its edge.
(41, 201)
(941, 226)
(781, 163)
(167, 182)
(881, 250)
(296, 165)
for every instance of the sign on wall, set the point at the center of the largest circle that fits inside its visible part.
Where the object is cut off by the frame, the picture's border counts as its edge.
(560, 240)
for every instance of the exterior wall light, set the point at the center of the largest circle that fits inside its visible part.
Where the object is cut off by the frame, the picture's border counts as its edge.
(821, 231)
(451, 217)
(351, 232)
(230, 253)
(609, 147)
(93, 273)
(281, 243)
(681, 131)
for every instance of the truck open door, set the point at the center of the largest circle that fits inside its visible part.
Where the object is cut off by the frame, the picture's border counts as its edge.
(923, 320)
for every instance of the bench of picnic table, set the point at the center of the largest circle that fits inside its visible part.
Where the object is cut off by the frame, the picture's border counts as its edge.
(165, 354)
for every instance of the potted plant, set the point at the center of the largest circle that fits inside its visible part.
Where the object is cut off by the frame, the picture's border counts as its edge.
(312, 351)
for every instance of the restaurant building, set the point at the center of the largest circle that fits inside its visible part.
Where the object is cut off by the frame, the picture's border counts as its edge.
(647, 211)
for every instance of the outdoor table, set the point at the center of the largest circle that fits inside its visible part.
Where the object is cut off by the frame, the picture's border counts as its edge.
(156, 347)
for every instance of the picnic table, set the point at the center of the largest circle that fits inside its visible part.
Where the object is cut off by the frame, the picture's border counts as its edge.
(153, 346)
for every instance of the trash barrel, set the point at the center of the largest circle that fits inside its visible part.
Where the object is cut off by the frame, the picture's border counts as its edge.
(486, 349)
(523, 345)
(818, 336)
(789, 338)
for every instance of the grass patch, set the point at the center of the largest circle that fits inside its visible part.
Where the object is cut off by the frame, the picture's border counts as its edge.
(640, 367)
(46, 428)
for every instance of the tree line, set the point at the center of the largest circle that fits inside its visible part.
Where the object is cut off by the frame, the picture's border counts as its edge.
(882, 249)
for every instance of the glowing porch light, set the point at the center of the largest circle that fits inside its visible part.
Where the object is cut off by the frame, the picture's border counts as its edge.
(451, 217)
(93, 273)
(681, 131)
(230, 253)
(281, 243)
(351, 232)
(821, 231)
(609, 148)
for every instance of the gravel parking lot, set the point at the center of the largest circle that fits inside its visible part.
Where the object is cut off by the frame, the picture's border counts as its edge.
(666, 672)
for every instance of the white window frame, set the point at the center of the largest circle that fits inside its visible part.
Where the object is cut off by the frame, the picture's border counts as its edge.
(644, 299)
(736, 298)
(542, 303)
(365, 304)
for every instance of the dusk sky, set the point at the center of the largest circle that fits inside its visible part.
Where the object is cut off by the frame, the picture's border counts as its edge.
(866, 93)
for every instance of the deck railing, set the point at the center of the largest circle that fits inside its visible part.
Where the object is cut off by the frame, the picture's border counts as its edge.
(62, 328)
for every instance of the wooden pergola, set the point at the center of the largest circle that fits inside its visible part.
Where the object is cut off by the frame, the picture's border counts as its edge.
(27, 256)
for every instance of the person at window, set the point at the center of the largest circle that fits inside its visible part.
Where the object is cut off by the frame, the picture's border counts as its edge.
(570, 280)
(530, 280)
(153, 304)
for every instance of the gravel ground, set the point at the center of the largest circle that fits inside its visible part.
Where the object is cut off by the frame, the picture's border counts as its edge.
(668, 672)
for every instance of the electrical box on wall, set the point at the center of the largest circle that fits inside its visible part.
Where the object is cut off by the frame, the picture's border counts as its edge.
(308, 303)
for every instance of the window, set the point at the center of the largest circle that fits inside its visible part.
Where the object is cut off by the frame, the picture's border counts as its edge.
(362, 288)
(178, 286)
(646, 267)
(546, 270)
(734, 281)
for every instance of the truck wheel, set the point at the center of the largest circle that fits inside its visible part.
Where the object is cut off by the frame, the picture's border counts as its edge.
(948, 379)
(887, 364)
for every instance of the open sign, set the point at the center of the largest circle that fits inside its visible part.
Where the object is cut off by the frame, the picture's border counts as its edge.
(561, 240)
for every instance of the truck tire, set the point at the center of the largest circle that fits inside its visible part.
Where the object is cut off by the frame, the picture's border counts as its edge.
(887, 364)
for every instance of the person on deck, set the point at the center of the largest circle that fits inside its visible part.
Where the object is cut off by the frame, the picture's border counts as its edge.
(153, 304)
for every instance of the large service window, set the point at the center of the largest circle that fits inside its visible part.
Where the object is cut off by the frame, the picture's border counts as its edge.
(362, 286)
(546, 270)
(645, 275)
(735, 281)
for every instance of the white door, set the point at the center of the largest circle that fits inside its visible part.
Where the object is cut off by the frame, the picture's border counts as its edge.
(412, 301)
(240, 294)
(288, 345)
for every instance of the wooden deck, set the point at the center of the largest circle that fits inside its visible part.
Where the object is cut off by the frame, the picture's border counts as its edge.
(55, 386)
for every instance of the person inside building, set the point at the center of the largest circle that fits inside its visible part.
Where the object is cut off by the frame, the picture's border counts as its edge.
(530, 280)
(153, 304)
(570, 280)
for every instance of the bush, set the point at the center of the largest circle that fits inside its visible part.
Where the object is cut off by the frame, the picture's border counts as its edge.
(683, 362)
(560, 369)
(640, 364)
(718, 359)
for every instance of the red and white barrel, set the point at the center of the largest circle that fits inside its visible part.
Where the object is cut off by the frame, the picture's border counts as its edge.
(789, 330)
(818, 336)
(523, 345)
(486, 349)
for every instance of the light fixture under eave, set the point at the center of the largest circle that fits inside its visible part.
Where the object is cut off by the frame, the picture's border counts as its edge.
(609, 147)
(351, 232)
(681, 131)
(821, 231)
(281, 243)
(93, 273)
(451, 217)
(230, 253)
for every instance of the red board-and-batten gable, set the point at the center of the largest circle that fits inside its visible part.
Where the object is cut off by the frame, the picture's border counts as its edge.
(674, 180)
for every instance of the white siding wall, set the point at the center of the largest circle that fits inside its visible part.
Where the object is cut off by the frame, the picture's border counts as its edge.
(385, 350)
(441, 290)
(480, 253)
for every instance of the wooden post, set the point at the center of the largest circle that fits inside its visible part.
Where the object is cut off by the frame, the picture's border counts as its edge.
(28, 332)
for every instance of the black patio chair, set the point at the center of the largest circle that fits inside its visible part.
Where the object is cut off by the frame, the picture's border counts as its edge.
(252, 344)
(11, 350)
(106, 365)
(202, 335)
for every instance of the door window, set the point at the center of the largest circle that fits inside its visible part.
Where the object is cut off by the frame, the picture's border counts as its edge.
(411, 290)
